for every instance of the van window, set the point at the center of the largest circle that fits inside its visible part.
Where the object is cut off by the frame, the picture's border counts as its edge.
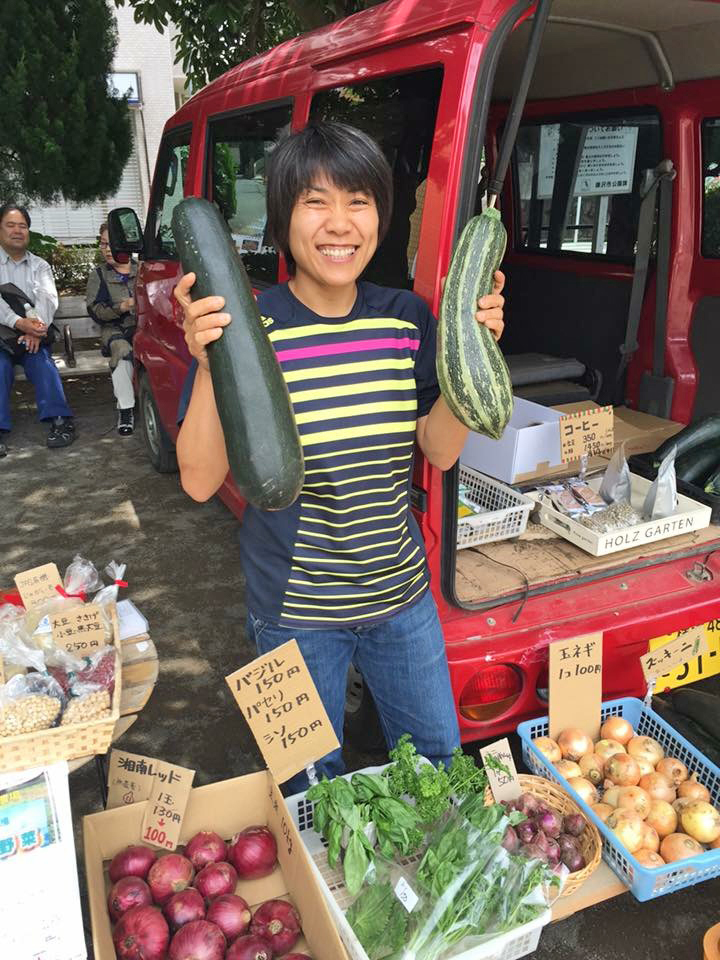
(399, 112)
(578, 182)
(238, 150)
(711, 188)
(168, 191)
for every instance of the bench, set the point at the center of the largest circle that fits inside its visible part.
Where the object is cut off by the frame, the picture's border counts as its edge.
(73, 322)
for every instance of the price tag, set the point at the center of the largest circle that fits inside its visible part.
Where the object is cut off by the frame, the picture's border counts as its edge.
(688, 644)
(37, 586)
(284, 711)
(575, 672)
(504, 786)
(130, 778)
(406, 895)
(165, 808)
(80, 630)
(586, 432)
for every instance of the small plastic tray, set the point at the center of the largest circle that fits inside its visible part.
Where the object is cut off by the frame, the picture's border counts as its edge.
(642, 464)
(508, 946)
(645, 883)
(504, 514)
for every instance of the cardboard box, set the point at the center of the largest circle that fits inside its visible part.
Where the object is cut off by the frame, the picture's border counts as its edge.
(225, 807)
(688, 517)
(529, 447)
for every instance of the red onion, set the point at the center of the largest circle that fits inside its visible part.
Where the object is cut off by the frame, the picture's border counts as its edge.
(131, 862)
(127, 893)
(278, 922)
(231, 914)
(574, 824)
(250, 947)
(253, 851)
(204, 848)
(216, 879)
(141, 934)
(198, 940)
(168, 875)
(184, 907)
(550, 823)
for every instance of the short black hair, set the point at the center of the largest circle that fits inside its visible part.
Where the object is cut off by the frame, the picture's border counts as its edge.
(349, 158)
(7, 207)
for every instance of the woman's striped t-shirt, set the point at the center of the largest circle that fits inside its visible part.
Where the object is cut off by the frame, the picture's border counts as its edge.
(348, 551)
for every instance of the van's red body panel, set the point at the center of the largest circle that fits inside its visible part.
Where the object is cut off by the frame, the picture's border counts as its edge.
(407, 35)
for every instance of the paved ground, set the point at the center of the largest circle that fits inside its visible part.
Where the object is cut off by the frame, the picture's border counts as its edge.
(101, 498)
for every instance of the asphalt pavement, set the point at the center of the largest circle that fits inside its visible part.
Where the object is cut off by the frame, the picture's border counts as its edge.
(102, 499)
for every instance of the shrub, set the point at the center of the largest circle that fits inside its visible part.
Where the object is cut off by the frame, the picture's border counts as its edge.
(71, 266)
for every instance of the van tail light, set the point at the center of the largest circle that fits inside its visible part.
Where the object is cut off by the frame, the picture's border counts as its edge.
(490, 692)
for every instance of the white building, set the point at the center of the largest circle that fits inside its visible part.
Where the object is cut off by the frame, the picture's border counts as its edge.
(145, 59)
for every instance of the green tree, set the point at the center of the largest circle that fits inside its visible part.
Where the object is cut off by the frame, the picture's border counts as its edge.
(214, 35)
(60, 131)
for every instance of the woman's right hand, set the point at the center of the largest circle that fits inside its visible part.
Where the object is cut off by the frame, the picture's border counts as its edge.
(202, 322)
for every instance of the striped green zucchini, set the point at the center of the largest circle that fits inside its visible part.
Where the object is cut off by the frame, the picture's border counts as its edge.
(472, 373)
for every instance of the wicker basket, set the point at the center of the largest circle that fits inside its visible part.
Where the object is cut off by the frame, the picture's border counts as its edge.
(555, 797)
(64, 743)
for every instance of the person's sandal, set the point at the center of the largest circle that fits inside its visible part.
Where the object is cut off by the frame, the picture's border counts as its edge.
(126, 422)
(62, 432)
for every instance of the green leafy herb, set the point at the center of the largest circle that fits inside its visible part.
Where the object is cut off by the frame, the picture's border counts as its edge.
(379, 921)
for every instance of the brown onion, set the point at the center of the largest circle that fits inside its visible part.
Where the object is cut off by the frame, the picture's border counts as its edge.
(678, 846)
(548, 748)
(662, 818)
(584, 789)
(644, 765)
(634, 798)
(649, 858)
(658, 786)
(628, 827)
(693, 790)
(701, 821)
(611, 796)
(617, 728)
(602, 810)
(574, 743)
(674, 770)
(622, 770)
(592, 767)
(715, 844)
(646, 747)
(651, 840)
(568, 769)
(680, 804)
(608, 748)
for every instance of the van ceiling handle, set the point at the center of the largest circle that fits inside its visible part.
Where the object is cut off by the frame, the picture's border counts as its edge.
(517, 106)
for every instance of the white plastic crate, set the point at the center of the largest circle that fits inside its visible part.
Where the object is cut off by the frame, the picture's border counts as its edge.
(509, 946)
(504, 511)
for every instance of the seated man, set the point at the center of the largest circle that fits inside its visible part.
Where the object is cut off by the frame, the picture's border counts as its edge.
(24, 335)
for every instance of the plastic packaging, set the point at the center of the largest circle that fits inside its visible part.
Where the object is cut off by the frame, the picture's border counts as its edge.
(30, 703)
(81, 578)
(661, 499)
(108, 595)
(79, 676)
(616, 483)
(15, 644)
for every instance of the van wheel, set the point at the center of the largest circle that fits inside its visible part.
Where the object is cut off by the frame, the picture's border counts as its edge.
(159, 446)
(362, 723)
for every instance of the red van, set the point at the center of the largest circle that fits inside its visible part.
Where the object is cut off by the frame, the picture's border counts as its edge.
(618, 89)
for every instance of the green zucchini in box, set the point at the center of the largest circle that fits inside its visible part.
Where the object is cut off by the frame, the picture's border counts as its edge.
(261, 436)
(472, 373)
(699, 463)
(703, 432)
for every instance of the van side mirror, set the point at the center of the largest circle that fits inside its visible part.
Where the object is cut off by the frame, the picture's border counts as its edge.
(125, 233)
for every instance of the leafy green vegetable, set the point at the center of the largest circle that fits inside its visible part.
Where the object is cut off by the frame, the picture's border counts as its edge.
(379, 921)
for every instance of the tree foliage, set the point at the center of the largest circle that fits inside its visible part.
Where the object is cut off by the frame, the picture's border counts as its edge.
(60, 132)
(214, 35)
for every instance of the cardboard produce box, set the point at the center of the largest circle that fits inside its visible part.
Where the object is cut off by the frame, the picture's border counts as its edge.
(225, 807)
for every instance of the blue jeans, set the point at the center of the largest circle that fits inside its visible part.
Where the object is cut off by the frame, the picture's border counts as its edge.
(43, 374)
(402, 660)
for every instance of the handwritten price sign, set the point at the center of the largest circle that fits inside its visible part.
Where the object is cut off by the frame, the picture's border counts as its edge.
(588, 432)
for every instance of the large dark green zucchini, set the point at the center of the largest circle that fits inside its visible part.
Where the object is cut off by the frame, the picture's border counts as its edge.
(697, 465)
(472, 373)
(712, 484)
(704, 431)
(261, 436)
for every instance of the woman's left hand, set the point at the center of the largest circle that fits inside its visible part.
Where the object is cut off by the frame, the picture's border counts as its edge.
(490, 307)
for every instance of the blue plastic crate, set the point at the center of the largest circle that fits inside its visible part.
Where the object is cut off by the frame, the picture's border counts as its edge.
(644, 883)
